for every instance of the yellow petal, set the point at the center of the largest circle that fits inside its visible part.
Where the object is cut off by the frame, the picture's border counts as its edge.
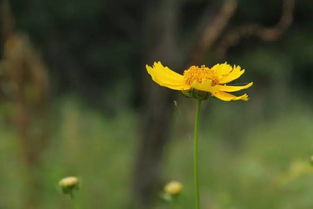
(205, 85)
(234, 88)
(233, 75)
(166, 77)
(222, 69)
(229, 97)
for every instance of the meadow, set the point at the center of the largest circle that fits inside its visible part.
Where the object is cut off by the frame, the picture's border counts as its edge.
(264, 165)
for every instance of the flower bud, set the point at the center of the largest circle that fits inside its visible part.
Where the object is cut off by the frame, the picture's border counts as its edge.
(173, 188)
(69, 184)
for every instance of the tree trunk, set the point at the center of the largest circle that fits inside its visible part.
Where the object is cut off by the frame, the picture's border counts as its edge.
(159, 44)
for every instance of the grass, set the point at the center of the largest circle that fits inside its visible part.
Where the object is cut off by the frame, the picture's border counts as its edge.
(261, 165)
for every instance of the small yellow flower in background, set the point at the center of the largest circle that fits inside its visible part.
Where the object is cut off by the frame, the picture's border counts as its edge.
(68, 181)
(171, 191)
(68, 184)
(201, 81)
(296, 170)
(173, 188)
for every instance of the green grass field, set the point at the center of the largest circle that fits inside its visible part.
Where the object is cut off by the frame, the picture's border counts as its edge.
(245, 163)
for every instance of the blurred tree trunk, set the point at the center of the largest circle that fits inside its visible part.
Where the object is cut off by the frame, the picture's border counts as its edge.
(159, 43)
(27, 92)
(27, 84)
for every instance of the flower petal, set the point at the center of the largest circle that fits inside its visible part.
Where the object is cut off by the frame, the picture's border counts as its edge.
(166, 77)
(234, 88)
(222, 70)
(229, 97)
(233, 75)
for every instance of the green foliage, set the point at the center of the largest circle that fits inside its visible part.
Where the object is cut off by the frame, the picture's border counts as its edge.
(268, 169)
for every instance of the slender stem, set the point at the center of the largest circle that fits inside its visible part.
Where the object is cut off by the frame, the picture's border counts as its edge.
(196, 155)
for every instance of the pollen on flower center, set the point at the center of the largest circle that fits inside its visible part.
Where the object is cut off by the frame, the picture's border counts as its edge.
(195, 73)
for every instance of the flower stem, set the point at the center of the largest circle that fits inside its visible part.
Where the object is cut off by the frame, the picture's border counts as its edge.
(196, 154)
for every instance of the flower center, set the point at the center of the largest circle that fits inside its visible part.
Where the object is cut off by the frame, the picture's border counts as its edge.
(195, 73)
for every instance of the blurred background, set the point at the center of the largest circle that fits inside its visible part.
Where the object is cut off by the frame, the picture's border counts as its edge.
(75, 99)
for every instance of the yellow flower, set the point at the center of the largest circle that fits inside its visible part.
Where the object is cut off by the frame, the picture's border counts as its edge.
(201, 79)
(68, 184)
(173, 188)
(68, 181)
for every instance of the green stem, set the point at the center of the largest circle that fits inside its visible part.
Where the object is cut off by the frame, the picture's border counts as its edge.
(73, 201)
(196, 154)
